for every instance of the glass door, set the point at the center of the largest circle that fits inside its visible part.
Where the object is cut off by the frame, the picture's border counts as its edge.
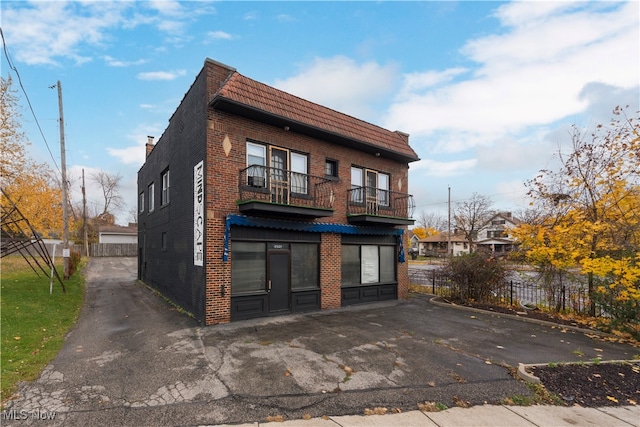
(372, 192)
(279, 183)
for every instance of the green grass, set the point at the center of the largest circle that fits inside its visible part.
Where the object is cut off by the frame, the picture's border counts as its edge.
(33, 322)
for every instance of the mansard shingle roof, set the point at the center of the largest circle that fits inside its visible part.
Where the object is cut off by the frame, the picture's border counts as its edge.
(240, 93)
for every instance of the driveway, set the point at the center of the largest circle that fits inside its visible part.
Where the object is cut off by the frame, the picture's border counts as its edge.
(134, 360)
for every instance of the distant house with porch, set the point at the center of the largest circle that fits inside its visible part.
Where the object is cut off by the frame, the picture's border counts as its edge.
(495, 236)
(436, 245)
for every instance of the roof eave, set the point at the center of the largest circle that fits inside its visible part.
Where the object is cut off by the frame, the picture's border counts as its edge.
(247, 111)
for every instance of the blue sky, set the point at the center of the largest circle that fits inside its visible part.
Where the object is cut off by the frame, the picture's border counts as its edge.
(487, 90)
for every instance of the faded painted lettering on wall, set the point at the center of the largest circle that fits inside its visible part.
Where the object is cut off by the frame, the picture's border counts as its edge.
(198, 214)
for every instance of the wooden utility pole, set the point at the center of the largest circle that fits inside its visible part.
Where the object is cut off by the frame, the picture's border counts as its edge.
(449, 249)
(84, 217)
(65, 207)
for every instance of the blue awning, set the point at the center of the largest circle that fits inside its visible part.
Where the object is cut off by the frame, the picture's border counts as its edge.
(316, 227)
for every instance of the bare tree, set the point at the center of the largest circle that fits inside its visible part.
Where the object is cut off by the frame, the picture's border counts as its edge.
(531, 216)
(470, 215)
(110, 185)
(431, 220)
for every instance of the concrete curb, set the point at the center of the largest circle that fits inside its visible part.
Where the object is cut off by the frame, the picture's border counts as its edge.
(523, 374)
(438, 301)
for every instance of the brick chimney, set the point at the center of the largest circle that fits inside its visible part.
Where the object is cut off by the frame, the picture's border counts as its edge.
(149, 145)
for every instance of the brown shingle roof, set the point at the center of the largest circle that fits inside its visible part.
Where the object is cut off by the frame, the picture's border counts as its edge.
(245, 91)
(444, 237)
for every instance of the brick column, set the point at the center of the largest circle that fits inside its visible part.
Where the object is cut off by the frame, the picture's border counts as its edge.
(218, 273)
(403, 271)
(330, 270)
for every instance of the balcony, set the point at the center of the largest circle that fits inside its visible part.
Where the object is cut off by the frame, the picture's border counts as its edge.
(273, 191)
(372, 206)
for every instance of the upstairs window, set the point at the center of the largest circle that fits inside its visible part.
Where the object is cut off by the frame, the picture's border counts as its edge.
(278, 169)
(151, 197)
(141, 202)
(331, 168)
(298, 173)
(164, 196)
(370, 185)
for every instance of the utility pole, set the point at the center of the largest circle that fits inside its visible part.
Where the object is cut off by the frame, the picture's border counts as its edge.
(84, 217)
(449, 250)
(65, 208)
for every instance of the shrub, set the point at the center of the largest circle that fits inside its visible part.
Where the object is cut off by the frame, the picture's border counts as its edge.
(476, 276)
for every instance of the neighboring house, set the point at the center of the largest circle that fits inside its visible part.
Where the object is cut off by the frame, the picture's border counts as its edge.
(495, 236)
(414, 240)
(118, 234)
(255, 202)
(436, 245)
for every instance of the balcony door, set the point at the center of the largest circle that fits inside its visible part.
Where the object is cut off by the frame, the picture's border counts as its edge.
(279, 182)
(371, 192)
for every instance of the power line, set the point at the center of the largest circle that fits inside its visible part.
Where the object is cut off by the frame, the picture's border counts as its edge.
(468, 198)
(6, 54)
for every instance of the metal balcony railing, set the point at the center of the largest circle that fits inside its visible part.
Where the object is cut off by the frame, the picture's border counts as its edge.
(377, 202)
(285, 187)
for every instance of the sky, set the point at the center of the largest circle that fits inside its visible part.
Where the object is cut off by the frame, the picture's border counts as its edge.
(486, 90)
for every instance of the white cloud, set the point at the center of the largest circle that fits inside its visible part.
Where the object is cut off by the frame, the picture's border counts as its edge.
(443, 169)
(219, 35)
(342, 84)
(135, 153)
(417, 82)
(534, 73)
(112, 62)
(283, 17)
(47, 32)
(161, 75)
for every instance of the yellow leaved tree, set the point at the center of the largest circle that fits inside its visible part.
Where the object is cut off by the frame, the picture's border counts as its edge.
(30, 185)
(591, 224)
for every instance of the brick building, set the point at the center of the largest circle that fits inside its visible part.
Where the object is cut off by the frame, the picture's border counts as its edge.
(255, 202)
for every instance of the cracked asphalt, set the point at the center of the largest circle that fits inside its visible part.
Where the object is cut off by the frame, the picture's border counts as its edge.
(134, 360)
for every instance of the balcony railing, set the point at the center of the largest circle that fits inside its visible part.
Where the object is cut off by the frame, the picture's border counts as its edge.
(370, 201)
(284, 187)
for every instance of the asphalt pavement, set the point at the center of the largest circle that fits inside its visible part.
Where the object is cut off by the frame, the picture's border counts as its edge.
(134, 360)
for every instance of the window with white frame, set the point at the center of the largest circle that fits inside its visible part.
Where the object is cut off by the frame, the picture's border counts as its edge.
(151, 197)
(298, 173)
(357, 184)
(371, 184)
(259, 174)
(141, 202)
(164, 196)
(256, 162)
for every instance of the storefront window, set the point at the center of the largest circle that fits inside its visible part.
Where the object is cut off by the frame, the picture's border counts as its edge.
(248, 267)
(370, 264)
(367, 264)
(304, 262)
(387, 264)
(350, 265)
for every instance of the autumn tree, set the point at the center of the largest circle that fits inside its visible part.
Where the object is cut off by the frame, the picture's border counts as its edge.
(31, 186)
(470, 215)
(593, 211)
(431, 221)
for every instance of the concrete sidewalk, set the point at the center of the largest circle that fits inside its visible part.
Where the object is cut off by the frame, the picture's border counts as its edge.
(485, 415)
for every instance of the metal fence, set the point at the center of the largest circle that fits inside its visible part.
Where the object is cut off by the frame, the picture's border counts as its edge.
(570, 296)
